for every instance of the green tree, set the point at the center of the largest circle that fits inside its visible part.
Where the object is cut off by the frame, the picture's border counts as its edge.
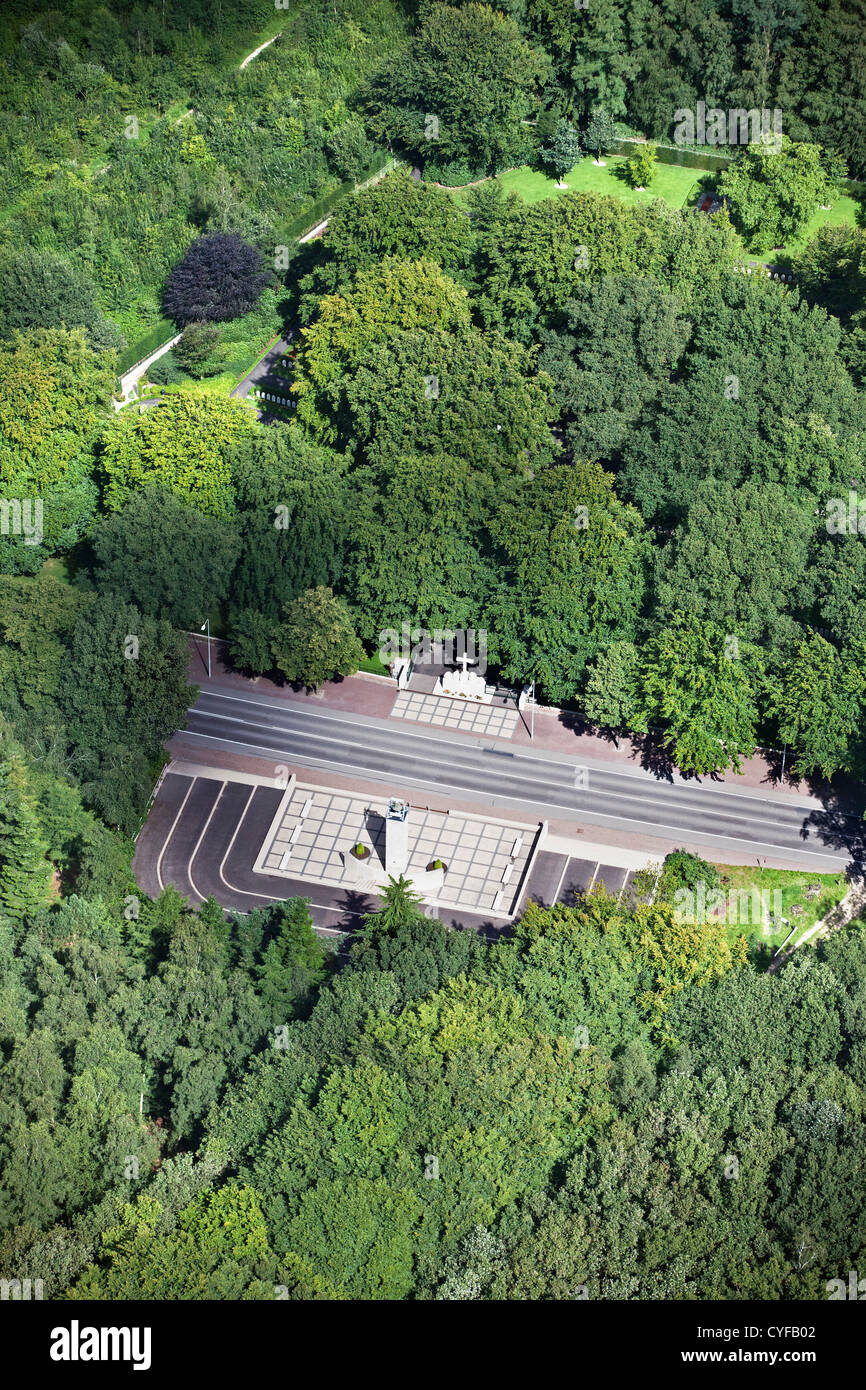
(734, 388)
(394, 295)
(249, 643)
(295, 511)
(401, 906)
(292, 964)
(39, 289)
(169, 560)
(819, 702)
(37, 616)
(626, 336)
(316, 639)
(459, 90)
(213, 1250)
(739, 558)
(197, 344)
(572, 577)
(600, 133)
(349, 150)
(200, 1022)
(469, 394)
(832, 269)
(54, 395)
(642, 166)
(183, 445)
(695, 682)
(609, 699)
(563, 152)
(775, 193)
(397, 216)
(24, 871)
(415, 552)
(122, 691)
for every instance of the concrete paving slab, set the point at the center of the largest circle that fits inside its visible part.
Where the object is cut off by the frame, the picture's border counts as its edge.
(466, 716)
(487, 860)
(612, 876)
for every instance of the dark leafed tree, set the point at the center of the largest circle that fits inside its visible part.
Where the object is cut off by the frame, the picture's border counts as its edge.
(563, 151)
(219, 278)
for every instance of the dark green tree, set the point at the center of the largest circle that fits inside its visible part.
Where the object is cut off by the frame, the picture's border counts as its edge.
(167, 559)
(316, 639)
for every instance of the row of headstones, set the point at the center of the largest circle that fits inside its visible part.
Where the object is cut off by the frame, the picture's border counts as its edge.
(276, 400)
(770, 274)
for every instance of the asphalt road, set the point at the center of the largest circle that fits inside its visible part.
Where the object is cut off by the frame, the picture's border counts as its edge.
(546, 784)
(268, 375)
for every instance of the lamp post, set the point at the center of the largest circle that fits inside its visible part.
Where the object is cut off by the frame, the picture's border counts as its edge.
(532, 708)
(206, 624)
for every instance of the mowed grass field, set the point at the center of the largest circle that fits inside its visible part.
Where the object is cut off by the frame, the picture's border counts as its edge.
(671, 182)
(806, 898)
(677, 186)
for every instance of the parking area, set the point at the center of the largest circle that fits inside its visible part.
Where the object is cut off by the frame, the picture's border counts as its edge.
(205, 831)
(208, 828)
(564, 878)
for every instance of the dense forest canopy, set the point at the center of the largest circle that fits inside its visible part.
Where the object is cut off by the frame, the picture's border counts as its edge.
(554, 1116)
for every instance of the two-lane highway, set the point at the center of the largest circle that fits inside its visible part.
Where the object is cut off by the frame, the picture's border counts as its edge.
(545, 784)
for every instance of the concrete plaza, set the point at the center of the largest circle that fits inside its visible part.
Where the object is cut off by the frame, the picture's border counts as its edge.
(315, 828)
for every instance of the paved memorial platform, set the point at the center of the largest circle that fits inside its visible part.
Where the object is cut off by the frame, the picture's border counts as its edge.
(469, 716)
(315, 828)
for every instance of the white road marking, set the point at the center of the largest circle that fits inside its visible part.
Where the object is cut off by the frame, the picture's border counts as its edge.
(495, 772)
(200, 838)
(559, 884)
(170, 833)
(370, 721)
(675, 830)
(269, 897)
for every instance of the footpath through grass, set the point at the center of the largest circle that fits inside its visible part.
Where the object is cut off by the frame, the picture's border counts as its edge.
(805, 898)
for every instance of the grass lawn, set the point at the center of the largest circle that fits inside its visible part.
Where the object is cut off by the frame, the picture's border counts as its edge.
(806, 897)
(672, 182)
(374, 666)
(221, 385)
(676, 185)
(845, 209)
(58, 568)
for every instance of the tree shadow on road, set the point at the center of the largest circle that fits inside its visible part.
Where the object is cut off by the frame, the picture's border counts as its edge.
(839, 825)
(354, 906)
(655, 756)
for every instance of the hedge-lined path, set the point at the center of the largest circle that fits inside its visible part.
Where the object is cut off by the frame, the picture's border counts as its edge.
(267, 375)
(130, 379)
